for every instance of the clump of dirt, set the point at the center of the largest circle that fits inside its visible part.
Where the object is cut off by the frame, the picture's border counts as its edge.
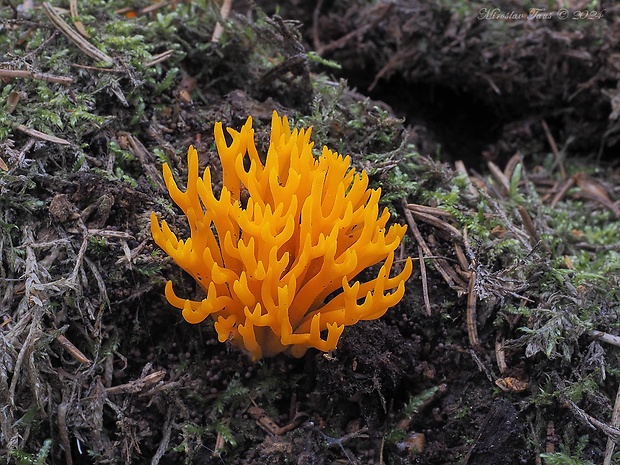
(481, 78)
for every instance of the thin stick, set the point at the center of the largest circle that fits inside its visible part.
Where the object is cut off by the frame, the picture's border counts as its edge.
(72, 349)
(605, 337)
(460, 167)
(563, 190)
(612, 432)
(472, 327)
(41, 135)
(159, 58)
(529, 225)
(75, 16)
(21, 73)
(554, 149)
(440, 264)
(224, 13)
(429, 210)
(427, 301)
(615, 422)
(500, 177)
(500, 355)
(430, 219)
(315, 25)
(165, 440)
(71, 34)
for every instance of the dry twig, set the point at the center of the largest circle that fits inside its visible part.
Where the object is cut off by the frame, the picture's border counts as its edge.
(71, 34)
(554, 148)
(472, 326)
(224, 13)
(615, 422)
(612, 432)
(25, 74)
(75, 17)
(427, 301)
(41, 135)
(447, 273)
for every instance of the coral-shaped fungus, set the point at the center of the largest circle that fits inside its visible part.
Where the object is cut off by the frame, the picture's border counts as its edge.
(279, 270)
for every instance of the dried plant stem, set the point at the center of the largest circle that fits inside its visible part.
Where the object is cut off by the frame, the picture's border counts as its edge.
(434, 221)
(460, 167)
(500, 355)
(441, 264)
(71, 34)
(570, 182)
(500, 177)
(531, 229)
(224, 13)
(615, 422)
(472, 326)
(554, 148)
(64, 430)
(21, 73)
(75, 16)
(41, 135)
(605, 337)
(612, 432)
(165, 440)
(72, 349)
(427, 301)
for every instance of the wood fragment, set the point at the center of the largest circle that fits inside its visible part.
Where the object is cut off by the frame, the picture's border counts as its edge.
(429, 210)
(448, 268)
(263, 420)
(460, 256)
(165, 440)
(529, 225)
(531, 229)
(511, 384)
(154, 7)
(84, 45)
(592, 190)
(146, 160)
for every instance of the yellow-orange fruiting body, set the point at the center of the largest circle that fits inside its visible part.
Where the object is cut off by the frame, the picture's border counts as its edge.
(309, 227)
